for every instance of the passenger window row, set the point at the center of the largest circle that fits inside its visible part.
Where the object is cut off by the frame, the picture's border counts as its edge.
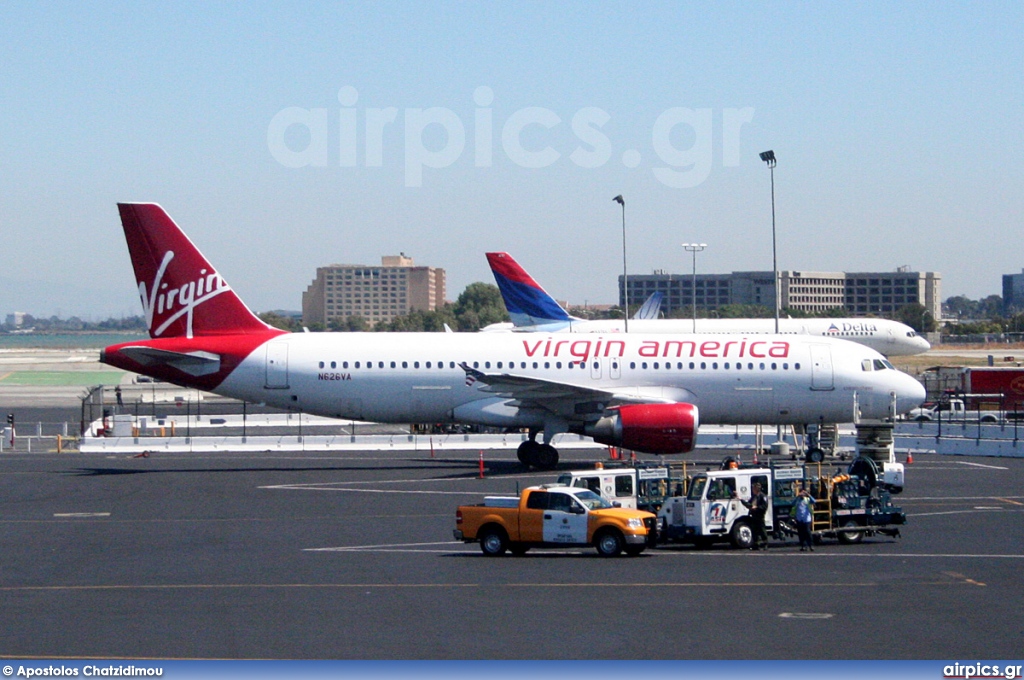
(644, 365)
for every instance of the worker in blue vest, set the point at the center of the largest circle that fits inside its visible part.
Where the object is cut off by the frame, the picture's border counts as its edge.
(803, 514)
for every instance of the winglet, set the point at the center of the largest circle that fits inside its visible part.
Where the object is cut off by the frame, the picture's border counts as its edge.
(651, 306)
(527, 303)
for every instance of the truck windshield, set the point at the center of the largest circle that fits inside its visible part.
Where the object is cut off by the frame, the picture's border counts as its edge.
(697, 488)
(591, 500)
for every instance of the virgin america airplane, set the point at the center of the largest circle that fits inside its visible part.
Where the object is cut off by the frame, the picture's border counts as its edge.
(648, 393)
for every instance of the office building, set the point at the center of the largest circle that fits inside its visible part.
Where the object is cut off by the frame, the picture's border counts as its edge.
(377, 294)
(1013, 293)
(858, 293)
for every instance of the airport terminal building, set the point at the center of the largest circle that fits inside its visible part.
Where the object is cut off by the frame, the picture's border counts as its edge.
(860, 293)
(378, 294)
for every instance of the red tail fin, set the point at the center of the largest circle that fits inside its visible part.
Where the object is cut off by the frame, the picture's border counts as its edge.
(182, 294)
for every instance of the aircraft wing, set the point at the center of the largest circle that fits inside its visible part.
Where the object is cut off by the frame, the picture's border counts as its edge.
(552, 395)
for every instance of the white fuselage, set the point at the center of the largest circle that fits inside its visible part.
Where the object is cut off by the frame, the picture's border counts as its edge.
(416, 377)
(891, 338)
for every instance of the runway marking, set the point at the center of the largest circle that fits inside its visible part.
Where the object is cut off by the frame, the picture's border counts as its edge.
(804, 615)
(915, 499)
(409, 491)
(81, 514)
(330, 486)
(489, 585)
(973, 511)
(454, 547)
(961, 577)
(357, 548)
(989, 467)
(1007, 500)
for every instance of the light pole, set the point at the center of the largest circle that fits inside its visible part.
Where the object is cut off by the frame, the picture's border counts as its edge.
(694, 248)
(625, 277)
(769, 158)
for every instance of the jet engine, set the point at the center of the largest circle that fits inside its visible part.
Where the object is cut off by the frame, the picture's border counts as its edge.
(649, 428)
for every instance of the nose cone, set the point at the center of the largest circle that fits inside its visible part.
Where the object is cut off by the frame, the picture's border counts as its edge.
(909, 393)
(923, 343)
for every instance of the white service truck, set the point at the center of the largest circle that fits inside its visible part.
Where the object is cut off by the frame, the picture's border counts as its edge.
(847, 505)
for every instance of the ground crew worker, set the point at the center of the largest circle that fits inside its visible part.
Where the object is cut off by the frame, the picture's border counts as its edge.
(804, 515)
(758, 507)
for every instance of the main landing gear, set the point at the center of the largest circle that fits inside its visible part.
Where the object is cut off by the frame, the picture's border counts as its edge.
(533, 453)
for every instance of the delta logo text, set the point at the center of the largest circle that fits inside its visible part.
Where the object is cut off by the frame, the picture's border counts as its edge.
(861, 327)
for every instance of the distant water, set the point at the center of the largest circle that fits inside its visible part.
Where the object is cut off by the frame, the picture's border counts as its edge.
(66, 340)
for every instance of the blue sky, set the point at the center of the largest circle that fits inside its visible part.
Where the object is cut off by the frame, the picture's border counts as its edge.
(897, 127)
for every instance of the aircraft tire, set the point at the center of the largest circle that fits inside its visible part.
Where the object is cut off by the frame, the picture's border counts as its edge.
(546, 457)
(527, 453)
(815, 455)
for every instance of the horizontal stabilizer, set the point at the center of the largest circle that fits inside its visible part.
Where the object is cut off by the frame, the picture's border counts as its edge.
(192, 363)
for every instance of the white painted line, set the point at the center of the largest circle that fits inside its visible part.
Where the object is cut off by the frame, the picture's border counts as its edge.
(450, 546)
(357, 548)
(468, 478)
(432, 493)
(973, 511)
(81, 514)
(990, 467)
(804, 615)
(915, 499)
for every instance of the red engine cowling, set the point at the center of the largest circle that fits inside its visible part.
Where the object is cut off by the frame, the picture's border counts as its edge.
(649, 428)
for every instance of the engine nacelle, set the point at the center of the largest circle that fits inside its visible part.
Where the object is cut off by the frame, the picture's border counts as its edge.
(649, 428)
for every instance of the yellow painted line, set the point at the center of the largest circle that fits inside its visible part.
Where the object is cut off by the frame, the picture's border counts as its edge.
(963, 578)
(1007, 500)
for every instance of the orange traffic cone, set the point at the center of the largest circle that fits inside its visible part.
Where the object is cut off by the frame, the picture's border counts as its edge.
(910, 456)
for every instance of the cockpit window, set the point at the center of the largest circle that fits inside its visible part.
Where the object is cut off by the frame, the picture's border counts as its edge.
(866, 365)
(882, 364)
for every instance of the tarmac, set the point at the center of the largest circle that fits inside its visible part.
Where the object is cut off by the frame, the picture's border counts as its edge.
(350, 556)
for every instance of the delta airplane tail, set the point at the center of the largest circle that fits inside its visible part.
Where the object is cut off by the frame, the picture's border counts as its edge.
(200, 329)
(528, 304)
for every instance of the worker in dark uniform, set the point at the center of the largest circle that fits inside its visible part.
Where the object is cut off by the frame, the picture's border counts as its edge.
(757, 507)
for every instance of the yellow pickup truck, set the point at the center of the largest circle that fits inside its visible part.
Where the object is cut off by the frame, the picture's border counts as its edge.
(554, 516)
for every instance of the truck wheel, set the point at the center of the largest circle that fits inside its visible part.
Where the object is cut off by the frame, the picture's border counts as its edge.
(988, 419)
(493, 542)
(847, 536)
(742, 536)
(609, 543)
